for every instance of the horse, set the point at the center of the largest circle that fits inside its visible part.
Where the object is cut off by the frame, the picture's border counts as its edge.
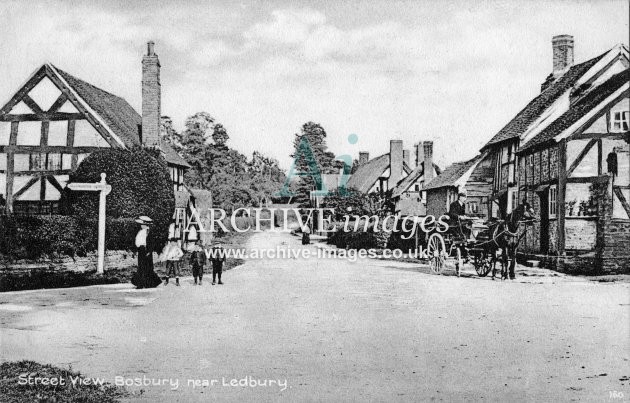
(506, 237)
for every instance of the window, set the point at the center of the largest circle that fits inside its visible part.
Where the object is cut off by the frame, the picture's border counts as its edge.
(553, 196)
(473, 207)
(37, 162)
(54, 162)
(424, 197)
(620, 121)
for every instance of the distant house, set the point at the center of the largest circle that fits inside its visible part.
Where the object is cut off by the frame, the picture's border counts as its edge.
(55, 120)
(474, 175)
(567, 153)
(393, 171)
(408, 194)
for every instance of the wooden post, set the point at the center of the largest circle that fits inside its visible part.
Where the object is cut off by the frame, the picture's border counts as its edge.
(560, 197)
(101, 226)
(103, 188)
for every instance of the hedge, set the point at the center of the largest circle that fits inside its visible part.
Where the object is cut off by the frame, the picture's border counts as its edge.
(141, 185)
(33, 237)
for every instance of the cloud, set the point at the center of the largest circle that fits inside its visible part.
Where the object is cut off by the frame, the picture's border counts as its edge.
(289, 26)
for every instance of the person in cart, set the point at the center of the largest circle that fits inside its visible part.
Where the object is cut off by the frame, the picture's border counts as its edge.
(457, 215)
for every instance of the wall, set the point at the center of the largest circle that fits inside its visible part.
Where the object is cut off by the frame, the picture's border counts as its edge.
(410, 203)
(436, 202)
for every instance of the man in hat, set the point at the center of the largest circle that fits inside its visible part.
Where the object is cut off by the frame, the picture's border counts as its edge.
(217, 257)
(457, 213)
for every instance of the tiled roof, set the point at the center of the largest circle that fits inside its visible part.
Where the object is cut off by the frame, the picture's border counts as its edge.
(121, 118)
(538, 105)
(579, 109)
(404, 185)
(451, 174)
(367, 174)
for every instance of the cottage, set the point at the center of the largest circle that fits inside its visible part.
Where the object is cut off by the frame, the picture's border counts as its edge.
(393, 172)
(55, 120)
(408, 194)
(474, 175)
(567, 153)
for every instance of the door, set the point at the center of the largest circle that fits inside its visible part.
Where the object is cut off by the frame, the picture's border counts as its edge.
(544, 221)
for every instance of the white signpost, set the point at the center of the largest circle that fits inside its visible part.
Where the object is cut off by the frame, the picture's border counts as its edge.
(104, 188)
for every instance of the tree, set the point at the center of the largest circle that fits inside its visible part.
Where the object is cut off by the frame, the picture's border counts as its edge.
(219, 134)
(195, 140)
(311, 159)
(169, 135)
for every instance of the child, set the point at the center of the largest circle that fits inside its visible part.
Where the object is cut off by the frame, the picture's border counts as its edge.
(217, 257)
(197, 260)
(172, 254)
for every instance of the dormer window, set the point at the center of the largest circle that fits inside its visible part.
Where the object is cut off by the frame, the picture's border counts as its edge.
(620, 121)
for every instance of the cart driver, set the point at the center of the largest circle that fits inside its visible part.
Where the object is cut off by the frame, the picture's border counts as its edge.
(457, 212)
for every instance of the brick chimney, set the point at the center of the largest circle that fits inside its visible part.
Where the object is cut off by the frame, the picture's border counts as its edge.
(427, 147)
(395, 163)
(419, 153)
(406, 157)
(151, 98)
(562, 54)
(364, 157)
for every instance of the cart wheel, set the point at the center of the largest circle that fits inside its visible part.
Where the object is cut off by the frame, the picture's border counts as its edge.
(483, 264)
(436, 252)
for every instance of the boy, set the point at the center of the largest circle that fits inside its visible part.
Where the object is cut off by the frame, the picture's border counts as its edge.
(172, 255)
(197, 260)
(217, 257)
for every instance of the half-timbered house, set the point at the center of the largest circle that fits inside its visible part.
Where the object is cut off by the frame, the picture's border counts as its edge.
(566, 152)
(55, 120)
(474, 175)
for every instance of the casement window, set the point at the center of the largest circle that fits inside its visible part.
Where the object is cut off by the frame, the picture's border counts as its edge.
(472, 207)
(553, 197)
(620, 121)
(44, 162)
(424, 197)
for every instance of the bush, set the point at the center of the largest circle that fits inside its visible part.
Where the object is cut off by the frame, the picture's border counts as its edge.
(31, 237)
(141, 185)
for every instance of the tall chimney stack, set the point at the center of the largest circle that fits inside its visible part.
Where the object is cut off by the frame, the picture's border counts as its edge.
(419, 153)
(406, 157)
(562, 54)
(395, 163)
(151, 98)
(364, 157)
(427, 147)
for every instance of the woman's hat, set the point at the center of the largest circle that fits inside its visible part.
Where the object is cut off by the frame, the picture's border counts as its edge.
(144, 220)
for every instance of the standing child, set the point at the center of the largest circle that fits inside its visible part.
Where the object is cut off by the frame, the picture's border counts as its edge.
(172, 253)
(217, 257)
(197, 260)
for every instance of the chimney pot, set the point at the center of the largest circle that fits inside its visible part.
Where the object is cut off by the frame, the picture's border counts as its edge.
(562, 46)
(150, 48)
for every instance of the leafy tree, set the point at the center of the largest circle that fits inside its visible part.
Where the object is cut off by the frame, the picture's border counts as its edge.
(310, 156)
(169, 134)
(219, 134)
(195, 140)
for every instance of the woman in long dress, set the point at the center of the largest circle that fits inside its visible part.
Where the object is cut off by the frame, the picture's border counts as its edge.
(145, 276)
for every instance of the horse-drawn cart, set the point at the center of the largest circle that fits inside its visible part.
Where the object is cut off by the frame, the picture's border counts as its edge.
(481, 243)
(477, 247)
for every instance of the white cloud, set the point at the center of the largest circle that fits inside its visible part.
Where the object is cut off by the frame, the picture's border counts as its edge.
(288, 27)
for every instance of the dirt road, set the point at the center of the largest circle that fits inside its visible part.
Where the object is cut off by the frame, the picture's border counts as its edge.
(335, 331)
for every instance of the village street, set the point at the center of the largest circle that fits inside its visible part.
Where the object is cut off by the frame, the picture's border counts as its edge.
(336, 331)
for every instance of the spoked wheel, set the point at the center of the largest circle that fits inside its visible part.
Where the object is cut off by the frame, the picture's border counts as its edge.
(482, 263)
(436, 252)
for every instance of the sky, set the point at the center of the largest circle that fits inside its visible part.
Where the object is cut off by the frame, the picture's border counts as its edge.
(453, 72)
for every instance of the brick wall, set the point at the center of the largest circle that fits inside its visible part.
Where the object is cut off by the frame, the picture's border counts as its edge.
(536, 167)
(544, 162)
(580, 234)
(553, 162)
